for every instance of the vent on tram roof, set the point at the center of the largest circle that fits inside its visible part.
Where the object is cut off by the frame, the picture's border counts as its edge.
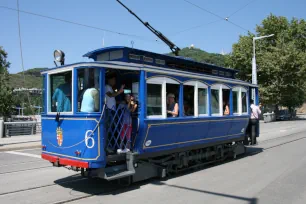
(228, 74)
(159, 61)
(134, 57)
(215, 72)
(148, 59)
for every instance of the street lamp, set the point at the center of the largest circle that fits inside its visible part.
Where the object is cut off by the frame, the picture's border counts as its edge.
(254, 70)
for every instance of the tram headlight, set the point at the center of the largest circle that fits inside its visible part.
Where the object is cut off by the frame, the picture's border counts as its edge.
(59, 56)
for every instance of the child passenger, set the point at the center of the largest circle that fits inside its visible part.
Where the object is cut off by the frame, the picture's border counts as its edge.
(128, 106)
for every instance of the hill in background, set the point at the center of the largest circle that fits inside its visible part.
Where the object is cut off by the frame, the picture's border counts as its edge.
(33, 79)
(202, 56)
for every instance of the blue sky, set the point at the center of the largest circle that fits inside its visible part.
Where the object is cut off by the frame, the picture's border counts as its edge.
(40, 36)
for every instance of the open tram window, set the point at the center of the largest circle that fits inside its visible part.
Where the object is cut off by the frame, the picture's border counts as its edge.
(189, 100)
(220, 99)
(172, 92)
(88, 90)
(60, 92)
(225, 99)
(244, 99)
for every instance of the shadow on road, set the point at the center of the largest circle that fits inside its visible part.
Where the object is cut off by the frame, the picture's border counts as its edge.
(95, 186)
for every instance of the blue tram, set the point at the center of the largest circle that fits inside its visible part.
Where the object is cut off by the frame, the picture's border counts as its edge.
(185, 114)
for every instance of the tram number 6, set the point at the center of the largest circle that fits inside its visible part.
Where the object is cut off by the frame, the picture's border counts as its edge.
(88, 137)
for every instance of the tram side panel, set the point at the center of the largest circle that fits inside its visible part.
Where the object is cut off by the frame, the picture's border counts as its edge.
(73, 139)
(159, 136)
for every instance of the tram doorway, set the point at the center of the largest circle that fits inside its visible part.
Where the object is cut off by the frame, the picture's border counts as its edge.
(121, 114)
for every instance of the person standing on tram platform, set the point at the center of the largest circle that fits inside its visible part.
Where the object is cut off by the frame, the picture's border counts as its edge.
(110, 111)
(254, 121)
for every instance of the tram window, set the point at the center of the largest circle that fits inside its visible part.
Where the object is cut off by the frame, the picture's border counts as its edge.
(88, 90)
(202, 101)
(154, 99)
(172, 90)
(188, 100)
(215, 107)
(60, 92)
(244, 102)
(226, 104)
(235, 101)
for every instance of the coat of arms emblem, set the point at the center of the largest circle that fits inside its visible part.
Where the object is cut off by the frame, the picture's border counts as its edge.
(59, 136)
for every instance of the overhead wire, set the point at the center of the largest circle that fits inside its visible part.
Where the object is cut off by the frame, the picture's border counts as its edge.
(216, 15)
(195, 27)
(81, 24)
(21, 55)
(239, 9)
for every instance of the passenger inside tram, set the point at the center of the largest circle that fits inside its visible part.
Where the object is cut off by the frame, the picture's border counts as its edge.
(90, 99)
(88, 90)
(61, 99)
(172, 106)
(121, 93)
(225, 94)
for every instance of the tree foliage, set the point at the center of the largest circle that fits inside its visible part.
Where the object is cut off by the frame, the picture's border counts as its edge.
(281, 64)
(6, 93)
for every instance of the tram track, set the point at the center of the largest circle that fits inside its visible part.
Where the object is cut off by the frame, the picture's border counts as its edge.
(114, 189)
(22, 170)
(42, 186)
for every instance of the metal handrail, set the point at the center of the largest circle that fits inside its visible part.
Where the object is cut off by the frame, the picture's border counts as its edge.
(21, 128)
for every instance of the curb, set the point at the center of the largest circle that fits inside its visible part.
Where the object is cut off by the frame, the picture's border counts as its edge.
(8, 148)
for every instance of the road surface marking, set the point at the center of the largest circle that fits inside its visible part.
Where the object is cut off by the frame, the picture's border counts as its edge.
(24, 154)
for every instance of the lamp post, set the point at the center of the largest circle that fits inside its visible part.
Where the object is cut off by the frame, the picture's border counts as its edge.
(254, 70)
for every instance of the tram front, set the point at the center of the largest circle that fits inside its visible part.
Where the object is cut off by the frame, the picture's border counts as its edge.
(72, 119)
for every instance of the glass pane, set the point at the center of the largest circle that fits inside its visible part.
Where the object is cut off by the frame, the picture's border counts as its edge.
(202, 97)
(215, 101)
(188, 100)
(235, 101)
(154, 102)
(88, 90)
(60, 92)
(244, 102)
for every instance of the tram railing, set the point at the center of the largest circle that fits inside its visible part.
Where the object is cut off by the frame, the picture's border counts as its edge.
(21, 128)
(119, 129)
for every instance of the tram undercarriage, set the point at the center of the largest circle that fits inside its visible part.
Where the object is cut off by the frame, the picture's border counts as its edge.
(130, 167)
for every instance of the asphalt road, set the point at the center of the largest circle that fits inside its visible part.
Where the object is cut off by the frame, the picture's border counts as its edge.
(272, 172)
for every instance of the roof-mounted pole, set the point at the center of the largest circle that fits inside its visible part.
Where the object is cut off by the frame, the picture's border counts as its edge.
(171, 45)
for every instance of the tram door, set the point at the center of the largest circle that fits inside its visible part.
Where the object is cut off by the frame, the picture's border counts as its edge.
(121, 110)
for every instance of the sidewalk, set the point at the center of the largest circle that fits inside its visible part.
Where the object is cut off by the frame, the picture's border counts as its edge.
(20, 142)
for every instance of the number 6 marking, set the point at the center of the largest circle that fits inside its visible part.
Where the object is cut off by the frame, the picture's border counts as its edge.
(87, 137)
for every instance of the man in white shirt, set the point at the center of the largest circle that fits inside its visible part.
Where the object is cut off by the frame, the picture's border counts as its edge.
(254, 122)
(111, 110)
(110, 94)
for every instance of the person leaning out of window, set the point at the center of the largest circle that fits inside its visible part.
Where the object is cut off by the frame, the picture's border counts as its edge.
(172, 106)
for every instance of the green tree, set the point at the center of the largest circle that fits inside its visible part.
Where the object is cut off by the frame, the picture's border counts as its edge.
(6, 93)
(281, 64)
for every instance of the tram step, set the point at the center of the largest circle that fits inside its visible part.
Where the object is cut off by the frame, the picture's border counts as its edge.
(120, 175)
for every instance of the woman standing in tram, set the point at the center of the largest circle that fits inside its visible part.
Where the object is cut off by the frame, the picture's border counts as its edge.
(128, 106)
(172, 106)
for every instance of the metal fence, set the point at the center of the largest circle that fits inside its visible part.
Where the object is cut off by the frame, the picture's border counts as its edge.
(21, 128)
